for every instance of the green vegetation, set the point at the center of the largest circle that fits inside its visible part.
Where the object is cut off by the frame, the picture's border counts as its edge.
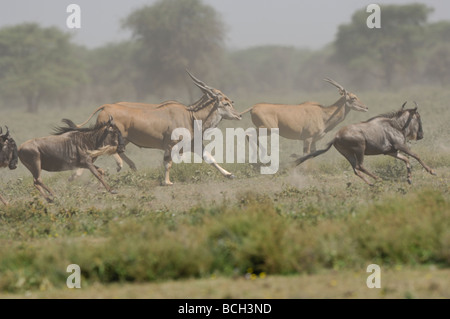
(314, 219)
(255, 232)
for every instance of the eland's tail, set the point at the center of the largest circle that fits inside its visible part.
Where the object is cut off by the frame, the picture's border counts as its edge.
(98, 109)
(246, 111)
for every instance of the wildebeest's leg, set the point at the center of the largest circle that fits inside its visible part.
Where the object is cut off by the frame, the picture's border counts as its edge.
(34, 166)
(354, 160)
(4, 201)
(97, 174)
(127, 160)
(406, 150)
(406, 160)
(167, 166)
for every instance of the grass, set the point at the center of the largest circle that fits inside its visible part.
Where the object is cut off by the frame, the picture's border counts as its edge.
(315, 220)
(135, 245)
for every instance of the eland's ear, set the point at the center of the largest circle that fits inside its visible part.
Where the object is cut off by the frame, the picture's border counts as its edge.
(403, 106)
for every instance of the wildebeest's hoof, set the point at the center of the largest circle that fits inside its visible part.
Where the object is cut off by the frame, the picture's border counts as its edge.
(432, 172)
(409, 182)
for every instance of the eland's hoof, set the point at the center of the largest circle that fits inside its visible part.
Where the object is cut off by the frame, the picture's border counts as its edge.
(231, 176)
(113, 191)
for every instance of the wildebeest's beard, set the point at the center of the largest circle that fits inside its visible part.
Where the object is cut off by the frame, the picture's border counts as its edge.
(14, 157)
(111, 137)
(420, 131)
(121, 146)
(8, 152)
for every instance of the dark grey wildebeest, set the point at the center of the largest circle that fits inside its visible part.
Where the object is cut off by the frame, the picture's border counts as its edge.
(383, 134)
(8, 154)
(71, 147)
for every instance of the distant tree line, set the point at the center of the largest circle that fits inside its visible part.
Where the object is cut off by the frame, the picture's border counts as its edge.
(41, 65)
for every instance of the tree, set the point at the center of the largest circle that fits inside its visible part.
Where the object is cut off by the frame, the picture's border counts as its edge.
(111, 72)
(386, 51)
(174, 35)
(37, 63)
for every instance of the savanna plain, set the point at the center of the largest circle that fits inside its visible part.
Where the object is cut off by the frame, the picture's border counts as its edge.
(304, 232)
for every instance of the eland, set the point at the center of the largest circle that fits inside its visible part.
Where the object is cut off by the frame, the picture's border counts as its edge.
(151, 125)
(308, 121)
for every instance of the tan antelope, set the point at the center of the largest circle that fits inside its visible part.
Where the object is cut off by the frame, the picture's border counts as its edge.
(151, 126)
(308, 121)
(383, 134)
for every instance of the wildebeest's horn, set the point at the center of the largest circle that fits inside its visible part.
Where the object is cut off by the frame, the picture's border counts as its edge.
(333, 82)
(403, 106)
(110, 120)
(200, 84)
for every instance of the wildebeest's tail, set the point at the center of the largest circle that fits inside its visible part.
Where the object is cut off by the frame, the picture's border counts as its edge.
(314, 154)
(247, 110)
(98, 109)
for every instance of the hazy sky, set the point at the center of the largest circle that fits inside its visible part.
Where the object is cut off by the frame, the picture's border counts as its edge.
(249, 22)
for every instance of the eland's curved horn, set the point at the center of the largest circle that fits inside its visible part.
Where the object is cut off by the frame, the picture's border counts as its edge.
(200, 84)
(415, 103)
(7, 131)
(403, 106)
(333, 82)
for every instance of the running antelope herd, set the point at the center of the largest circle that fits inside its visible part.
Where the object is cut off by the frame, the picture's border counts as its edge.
(74, 146)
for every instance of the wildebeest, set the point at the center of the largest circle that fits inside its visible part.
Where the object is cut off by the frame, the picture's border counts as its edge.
(68, 148)
(383, 134)
(151, 126)
(308, 121)
(8, 154)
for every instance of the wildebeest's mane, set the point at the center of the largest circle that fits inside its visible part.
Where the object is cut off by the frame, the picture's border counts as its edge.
(389, 115)
(72, 127)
